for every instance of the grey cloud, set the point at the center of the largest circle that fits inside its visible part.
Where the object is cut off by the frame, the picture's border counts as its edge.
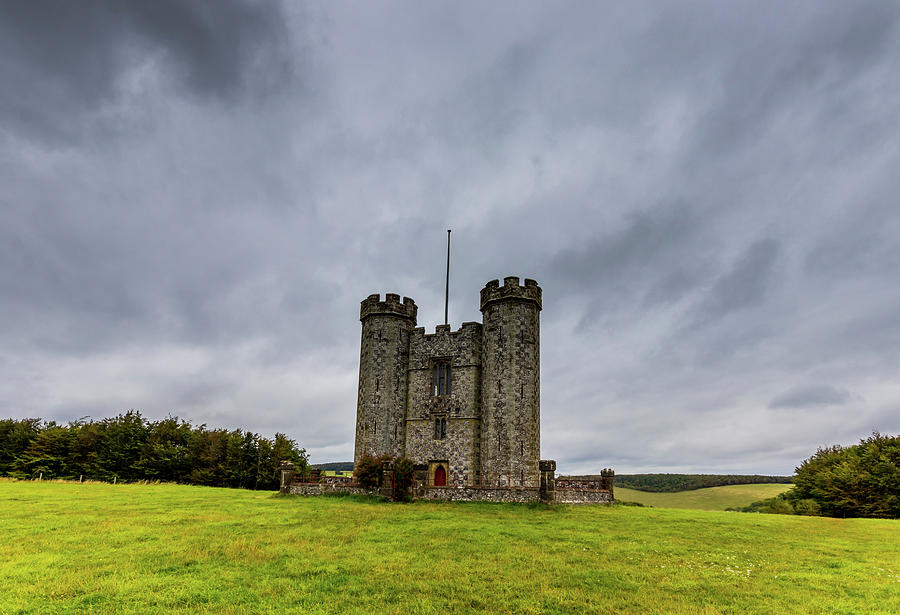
(745, 285)
(812, 395)
(67, 60)
(800, 65)
(658, 255)
(196, 196)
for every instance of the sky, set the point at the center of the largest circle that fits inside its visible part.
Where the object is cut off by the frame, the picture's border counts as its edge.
(197, 195)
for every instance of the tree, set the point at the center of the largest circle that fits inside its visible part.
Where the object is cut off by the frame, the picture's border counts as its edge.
(368, 471)
(15, 438)
(856, 481)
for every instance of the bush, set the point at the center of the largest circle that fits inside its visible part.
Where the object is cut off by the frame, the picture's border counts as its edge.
(368, 471)
(403, 478)
(779, 505)
(807, 507)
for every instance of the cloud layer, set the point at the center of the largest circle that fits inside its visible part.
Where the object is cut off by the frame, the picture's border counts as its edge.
(197, 196)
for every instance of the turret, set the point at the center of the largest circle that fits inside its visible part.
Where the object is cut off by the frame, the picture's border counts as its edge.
(383, 367)
(510, 386)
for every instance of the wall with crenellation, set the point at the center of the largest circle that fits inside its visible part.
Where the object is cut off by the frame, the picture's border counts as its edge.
(484, 434)
(383, 370)
(461, 409)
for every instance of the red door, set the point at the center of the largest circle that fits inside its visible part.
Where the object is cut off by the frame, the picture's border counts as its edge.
(440, 477)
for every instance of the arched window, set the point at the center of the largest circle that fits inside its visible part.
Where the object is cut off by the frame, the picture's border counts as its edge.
(440, 429)
(440, 379)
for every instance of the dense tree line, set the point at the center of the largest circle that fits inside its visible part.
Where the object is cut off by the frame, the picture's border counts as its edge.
(341, 466)
(128, 447)
(855, 481)
(686, 482)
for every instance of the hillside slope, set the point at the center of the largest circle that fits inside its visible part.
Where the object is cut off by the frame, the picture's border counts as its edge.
(74, 548)
(711, 498)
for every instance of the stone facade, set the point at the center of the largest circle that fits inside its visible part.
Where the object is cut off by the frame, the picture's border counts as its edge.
(464, 406)
(384, 351)
(477, 425)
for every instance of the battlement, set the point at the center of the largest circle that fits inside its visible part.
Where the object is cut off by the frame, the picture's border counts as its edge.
(468, 329)
(510, 291)
(391, 306)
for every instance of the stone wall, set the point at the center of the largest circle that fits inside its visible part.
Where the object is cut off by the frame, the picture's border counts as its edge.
(479, 494)
(323, 488)
(459, 448)
(422, 489)
(461, 409)
(383, 368)
(583, 496)
(462, 350)
(510, 387)
(488, 441)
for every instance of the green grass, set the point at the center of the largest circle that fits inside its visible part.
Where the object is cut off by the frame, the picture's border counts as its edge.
(71, 548)
(711, 498)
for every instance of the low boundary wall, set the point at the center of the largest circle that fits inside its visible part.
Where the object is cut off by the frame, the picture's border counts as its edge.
(324, 488)
(565, 490)
(479, 494)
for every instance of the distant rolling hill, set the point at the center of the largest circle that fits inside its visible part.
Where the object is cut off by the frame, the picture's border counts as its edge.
(335, 465)
(710, 498)
(686, 482)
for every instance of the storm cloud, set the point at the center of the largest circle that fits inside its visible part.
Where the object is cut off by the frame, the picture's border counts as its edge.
(196, 196)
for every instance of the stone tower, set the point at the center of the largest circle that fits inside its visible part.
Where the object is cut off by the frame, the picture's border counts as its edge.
(510, 383)
(383, 369)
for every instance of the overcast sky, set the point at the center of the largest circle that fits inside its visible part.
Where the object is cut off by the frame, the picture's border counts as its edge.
(195, 196)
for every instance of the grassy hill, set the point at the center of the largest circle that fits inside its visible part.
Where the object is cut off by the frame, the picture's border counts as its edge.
(77, 548)
(711, 498)
(686, 482)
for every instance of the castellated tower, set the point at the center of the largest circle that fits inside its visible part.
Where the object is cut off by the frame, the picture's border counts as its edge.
(510, 384)
(383, 369)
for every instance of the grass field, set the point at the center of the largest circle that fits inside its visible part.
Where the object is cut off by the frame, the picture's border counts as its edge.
(711, 498)
(72, 548)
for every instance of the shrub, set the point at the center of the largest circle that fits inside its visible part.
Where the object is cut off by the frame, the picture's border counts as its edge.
(368, 471)
(807, 507)
(403, 478)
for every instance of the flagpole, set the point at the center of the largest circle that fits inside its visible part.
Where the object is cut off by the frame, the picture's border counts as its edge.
(447, 287)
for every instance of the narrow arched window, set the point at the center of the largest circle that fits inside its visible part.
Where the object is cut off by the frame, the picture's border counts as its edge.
(440, 429)
(440, 379)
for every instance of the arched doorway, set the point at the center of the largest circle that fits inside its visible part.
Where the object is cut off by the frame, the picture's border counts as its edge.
(440, 476)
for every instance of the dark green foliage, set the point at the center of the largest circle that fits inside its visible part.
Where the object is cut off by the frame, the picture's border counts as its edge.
(668, 483)
(129, 448)
(368, 471)
(341, 466)
(15, 437)
(856, 481)
(403, 478)
(779, 505)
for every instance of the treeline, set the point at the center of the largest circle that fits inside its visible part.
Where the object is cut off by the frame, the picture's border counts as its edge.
(128, 447)
(855, 481)
(660, 483)
(341, 466)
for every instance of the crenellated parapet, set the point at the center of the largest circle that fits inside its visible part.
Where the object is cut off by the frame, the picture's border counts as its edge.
(391, 306)
(462, 347)
(511, 290)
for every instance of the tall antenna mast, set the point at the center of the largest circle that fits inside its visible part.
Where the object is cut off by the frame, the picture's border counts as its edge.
(447, 287)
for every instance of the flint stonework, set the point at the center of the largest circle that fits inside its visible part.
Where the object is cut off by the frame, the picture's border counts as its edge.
(464, 406)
